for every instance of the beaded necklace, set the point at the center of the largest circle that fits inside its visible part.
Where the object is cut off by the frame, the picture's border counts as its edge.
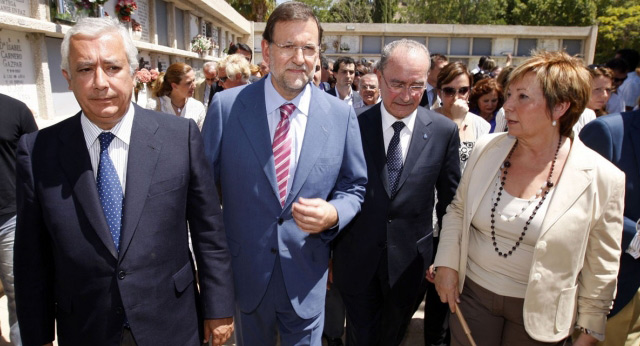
(505, 167)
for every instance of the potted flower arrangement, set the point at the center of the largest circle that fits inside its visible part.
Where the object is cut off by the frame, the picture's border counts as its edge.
(90, 8)
(136, 29)
(125, 8)
(144, 81)
(201, 44)
(344, 47)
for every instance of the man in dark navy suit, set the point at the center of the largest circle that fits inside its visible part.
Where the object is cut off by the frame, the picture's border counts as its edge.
(104, 199)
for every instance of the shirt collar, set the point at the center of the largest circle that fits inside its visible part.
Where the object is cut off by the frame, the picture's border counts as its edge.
(122, 129)
(388, 119)
(273, 100)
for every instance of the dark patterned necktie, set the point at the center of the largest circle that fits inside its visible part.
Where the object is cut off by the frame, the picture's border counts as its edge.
(109, 189)
(394, 157)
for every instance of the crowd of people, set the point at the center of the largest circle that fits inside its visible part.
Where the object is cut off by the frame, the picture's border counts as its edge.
(278, 201)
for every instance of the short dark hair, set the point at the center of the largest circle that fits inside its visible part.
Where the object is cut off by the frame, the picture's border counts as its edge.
(618, 64)
(631, 56)
(435, 57)
(482, 60)
(323, 62)
(287, 12)
(346, 60)
(451, 72)
(234, 48)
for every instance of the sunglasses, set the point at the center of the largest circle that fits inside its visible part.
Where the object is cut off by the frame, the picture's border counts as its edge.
(450, 91)
(223, 79)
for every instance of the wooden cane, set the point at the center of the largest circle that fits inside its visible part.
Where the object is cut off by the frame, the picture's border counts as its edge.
(465, 326)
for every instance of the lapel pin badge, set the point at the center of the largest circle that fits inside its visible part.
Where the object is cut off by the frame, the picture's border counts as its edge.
(424, 136)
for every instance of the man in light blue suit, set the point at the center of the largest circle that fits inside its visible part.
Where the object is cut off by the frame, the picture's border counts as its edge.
(289, 161)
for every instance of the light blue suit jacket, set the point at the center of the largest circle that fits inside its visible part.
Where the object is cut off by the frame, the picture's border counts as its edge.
(331, 166)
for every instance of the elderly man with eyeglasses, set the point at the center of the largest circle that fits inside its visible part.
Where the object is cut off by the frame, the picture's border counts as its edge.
(289, 160)
(209, 86)
(379, 264)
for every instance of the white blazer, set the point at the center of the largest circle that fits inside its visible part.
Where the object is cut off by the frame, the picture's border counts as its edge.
(576, 258)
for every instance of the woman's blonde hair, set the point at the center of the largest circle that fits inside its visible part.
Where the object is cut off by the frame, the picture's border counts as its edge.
(563, 78)
(234, 64)
(174, 74)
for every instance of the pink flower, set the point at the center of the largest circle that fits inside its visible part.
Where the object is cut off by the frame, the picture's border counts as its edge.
(143, 75)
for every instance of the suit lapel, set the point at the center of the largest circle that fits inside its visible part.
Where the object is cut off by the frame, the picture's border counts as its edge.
(315, 136)
(253, 119)
(574, 180)
(75, 161)
(144, 150)
(373, 141)
(419, 139)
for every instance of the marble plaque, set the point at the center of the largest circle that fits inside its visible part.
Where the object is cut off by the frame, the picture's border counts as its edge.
(17, 77)
(19, 7)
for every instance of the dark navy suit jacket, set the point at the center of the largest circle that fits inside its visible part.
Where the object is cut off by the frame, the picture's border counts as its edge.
(66, 265)
(617, 138)
(401, 224)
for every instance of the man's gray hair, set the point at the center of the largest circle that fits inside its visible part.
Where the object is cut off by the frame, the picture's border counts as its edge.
(95, 27)
(409, 45)
(210, 65)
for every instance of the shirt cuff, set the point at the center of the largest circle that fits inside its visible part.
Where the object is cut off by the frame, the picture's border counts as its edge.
(634, 247)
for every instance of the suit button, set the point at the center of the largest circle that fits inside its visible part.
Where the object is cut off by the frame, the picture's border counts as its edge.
(280, 221)
(119, 310)
(542, 245)
(389, 221)
(274, 250)
(121, 275)
(537, 276)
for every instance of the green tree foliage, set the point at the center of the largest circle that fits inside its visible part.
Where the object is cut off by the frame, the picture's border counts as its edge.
(320, 9)
(453, 11)
(619, 27)
(255, 10)
(351, 11)
(383, 11)
(551, 12)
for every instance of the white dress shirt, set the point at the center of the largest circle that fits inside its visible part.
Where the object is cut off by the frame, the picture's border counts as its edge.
(193, 109)
(405, 134)
(118, 149)
(297, 120)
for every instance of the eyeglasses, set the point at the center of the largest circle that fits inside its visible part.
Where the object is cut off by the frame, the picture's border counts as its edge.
(288, 50)
(223, 79)
(398, 87)
(212, 79)
(450, 91)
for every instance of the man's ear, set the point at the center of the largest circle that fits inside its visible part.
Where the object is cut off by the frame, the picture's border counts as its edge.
(265, 51)
(67, 76)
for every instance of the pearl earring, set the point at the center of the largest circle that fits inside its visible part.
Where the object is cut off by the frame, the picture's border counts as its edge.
(554, 123)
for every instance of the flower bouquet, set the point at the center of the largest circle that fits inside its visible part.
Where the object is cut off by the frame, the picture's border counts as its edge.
(91, 8)
(125, 8)
(201, 44)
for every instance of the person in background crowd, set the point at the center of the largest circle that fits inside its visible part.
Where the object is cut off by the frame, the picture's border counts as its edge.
(209, 86)
(326, 73)
(630, 88)
(242, 49)
(344, 70)
(601, 89)
(619, 69)
(615, 137)
(317, 75)
(233, 71)
(381, 259)
(98, 267)
(255, 73)
(486, 99)
(502, 79)
(264, 68)
(300, 181)
(454, 87)
(369, 91)
(173, 94)
(361, 70)
(15, 120)
(478, 67)
(430, 99)
(533, 254)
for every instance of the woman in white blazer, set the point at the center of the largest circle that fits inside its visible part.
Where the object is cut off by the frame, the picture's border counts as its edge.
(530, 245)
